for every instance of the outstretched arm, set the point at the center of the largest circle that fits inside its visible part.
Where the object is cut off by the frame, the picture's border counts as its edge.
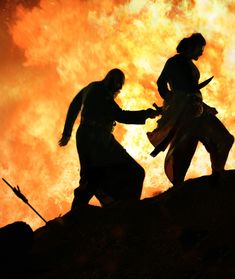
(133, 117)
(72, 114)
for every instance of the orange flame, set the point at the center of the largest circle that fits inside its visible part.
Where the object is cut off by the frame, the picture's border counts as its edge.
(58, 47)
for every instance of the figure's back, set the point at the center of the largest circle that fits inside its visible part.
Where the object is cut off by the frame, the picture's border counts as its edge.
(97, 105)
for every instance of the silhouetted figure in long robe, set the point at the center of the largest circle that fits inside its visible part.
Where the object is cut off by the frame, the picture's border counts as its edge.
(106, 169)
(186, 119)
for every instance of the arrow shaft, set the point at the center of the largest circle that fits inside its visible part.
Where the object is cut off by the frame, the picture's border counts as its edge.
(24, 199)
(36, 212)
(8, 183)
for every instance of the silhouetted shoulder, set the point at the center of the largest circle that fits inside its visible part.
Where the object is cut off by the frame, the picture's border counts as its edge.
(95, 85)
(176, 60)
(178, 65)
(92, 90)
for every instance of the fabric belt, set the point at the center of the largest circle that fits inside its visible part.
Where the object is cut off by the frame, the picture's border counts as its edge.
(98, 125)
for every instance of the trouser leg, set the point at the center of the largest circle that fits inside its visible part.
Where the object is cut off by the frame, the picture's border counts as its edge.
(179, 157)
(124, 180)
(110, 184)
(182, 148)
(89, 181)
(133, 177)
(82, 195)
(217, 141)
(118, 176)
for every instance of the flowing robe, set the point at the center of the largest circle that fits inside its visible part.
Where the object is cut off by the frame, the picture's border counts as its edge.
(105, 166)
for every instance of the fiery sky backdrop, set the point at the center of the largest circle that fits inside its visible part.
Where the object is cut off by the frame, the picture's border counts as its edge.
(52, 48)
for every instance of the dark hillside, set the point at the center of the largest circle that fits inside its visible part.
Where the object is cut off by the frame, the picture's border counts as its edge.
(188, 232)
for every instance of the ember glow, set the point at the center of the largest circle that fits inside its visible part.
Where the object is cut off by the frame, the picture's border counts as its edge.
(51, 49)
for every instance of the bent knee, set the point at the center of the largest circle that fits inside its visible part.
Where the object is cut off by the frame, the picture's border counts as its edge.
(142, 173)
(230, 141)
(226, 145)
(138, 172)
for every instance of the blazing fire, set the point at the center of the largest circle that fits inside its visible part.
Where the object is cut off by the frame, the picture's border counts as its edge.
(54, 48)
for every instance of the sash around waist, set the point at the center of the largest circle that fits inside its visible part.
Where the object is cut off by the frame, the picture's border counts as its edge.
(97, 125)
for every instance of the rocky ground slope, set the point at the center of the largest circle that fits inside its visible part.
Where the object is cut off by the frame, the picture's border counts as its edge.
(188, 232)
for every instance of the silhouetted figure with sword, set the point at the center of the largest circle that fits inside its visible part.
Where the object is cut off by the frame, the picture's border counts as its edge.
(186, 119)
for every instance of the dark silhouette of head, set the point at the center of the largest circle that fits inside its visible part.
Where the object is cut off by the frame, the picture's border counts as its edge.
(192, 46)
(114, 80)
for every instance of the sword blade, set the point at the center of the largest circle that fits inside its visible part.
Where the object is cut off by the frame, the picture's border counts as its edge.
(204, 83)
